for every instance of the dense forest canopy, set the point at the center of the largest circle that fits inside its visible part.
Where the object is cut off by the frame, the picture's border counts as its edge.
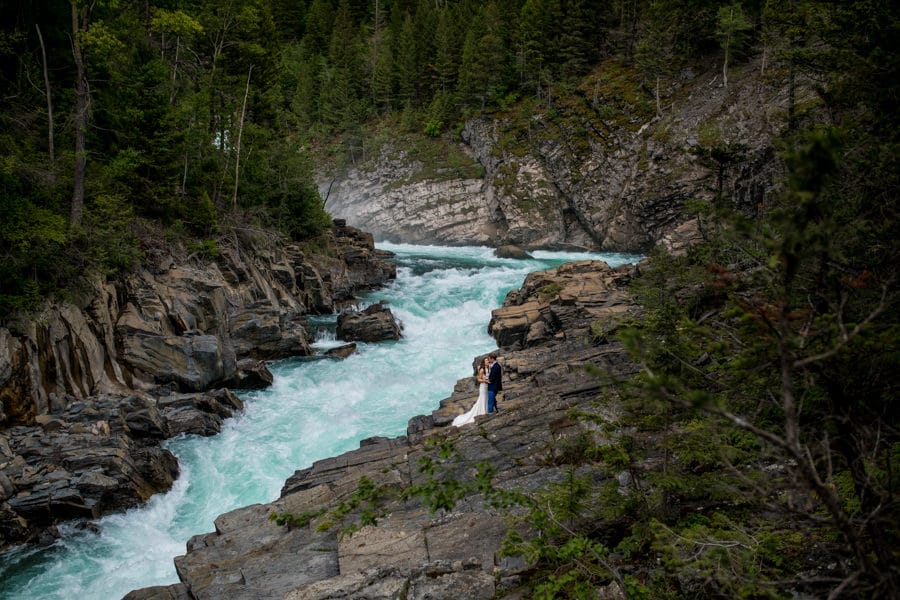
(187, 113)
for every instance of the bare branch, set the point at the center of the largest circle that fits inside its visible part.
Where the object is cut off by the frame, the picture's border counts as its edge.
(836, 592)
(845, 336)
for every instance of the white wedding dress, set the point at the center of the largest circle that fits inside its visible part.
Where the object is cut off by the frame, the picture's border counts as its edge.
(479, 408)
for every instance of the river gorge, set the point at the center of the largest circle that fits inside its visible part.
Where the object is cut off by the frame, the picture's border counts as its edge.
(316, 408)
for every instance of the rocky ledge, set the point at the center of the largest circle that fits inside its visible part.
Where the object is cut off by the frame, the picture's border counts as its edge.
(88, 392)
(348, 526)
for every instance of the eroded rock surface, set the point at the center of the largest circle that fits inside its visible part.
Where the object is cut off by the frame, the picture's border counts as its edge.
(410, 551)
(88, 392)
(600, 174)
(375, 323)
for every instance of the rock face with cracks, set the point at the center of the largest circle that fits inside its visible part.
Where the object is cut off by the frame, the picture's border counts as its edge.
(324, 550)
(87, 392)
(597, 172)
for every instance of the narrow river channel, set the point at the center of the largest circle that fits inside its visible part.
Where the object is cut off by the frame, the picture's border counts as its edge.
(316, 408)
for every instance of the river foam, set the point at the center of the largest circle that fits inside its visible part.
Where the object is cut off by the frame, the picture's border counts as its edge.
(315, 408)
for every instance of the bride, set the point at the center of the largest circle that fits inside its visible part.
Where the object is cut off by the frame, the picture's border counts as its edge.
(480, 406)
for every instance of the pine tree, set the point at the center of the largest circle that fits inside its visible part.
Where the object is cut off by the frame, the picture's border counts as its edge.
(484, 70)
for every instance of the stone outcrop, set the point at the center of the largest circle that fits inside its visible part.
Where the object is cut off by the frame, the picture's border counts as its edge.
(564, 302)
(410, 552)
(511, 251)
(98, 455)
(341, 351)
(87, 393)
(604, 173)
(196, 326)
(375, 323)
(445, 209)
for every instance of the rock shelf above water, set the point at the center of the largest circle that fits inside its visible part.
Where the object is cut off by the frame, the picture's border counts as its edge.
(410, 551)
(88, 393)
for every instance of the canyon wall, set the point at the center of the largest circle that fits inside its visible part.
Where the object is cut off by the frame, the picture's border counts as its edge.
(320, 544)
(601, 169)
(88, 391)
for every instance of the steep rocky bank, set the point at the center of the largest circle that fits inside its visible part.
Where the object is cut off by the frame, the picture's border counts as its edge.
(88, 392)
(346, 528)
(603, 168)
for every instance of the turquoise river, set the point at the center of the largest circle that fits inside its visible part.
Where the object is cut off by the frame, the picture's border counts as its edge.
(316, 408)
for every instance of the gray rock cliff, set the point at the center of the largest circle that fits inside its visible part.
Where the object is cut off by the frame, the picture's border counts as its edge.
(411, 552)
(604, 171)
(88, 392)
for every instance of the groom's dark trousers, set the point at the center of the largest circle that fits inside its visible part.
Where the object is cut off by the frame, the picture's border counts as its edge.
(495, 384)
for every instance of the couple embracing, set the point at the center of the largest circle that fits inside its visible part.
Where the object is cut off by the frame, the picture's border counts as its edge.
(490, 382)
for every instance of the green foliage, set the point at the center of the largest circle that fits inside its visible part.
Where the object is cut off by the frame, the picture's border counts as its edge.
(205, 249)
(727, 352)
(291, 521)
(712, 549)
(549, 291)
(433, 128)
(562, 548)
(176, 22)
(205, 219)
(107, 234)
(32, 239)
(365, 506)
(441, 489)
(732, 27)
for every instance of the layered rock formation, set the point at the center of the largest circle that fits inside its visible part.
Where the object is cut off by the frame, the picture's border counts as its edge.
(342, 528)
(375, 323)
(609, 171)
(87, 393)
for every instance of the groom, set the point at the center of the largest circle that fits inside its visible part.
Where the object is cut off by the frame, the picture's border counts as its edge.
(495, 382)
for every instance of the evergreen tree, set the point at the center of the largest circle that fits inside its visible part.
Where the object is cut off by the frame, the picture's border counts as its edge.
(484, 70)
(731, 29)
(341, 96)
(406, 65)
(380, 59)
(290, 19)
(447, 48)
(538, 43)
(319, 23)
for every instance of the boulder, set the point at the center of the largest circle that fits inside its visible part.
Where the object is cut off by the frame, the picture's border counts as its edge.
(251, 375)
(341, 351)
(565, 301)
(511, 251)
(266, 333)
(142, 419)
(194, 361)
(374, 324)
(198, 414)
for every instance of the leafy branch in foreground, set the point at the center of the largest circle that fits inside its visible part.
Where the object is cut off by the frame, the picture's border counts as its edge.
(366, 504)
(444, 484)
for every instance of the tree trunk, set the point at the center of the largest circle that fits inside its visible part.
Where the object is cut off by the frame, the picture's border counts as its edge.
(50, 147)
(658, 107)
(725, 62)
(237, 159)
(82, 107)
(174, 71)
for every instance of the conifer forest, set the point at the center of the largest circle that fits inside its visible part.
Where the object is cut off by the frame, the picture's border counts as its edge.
(762, 424)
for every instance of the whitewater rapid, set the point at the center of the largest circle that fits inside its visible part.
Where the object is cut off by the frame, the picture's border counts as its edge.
(317, 407)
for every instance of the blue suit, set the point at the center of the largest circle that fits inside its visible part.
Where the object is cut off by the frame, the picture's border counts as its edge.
(495, 384)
